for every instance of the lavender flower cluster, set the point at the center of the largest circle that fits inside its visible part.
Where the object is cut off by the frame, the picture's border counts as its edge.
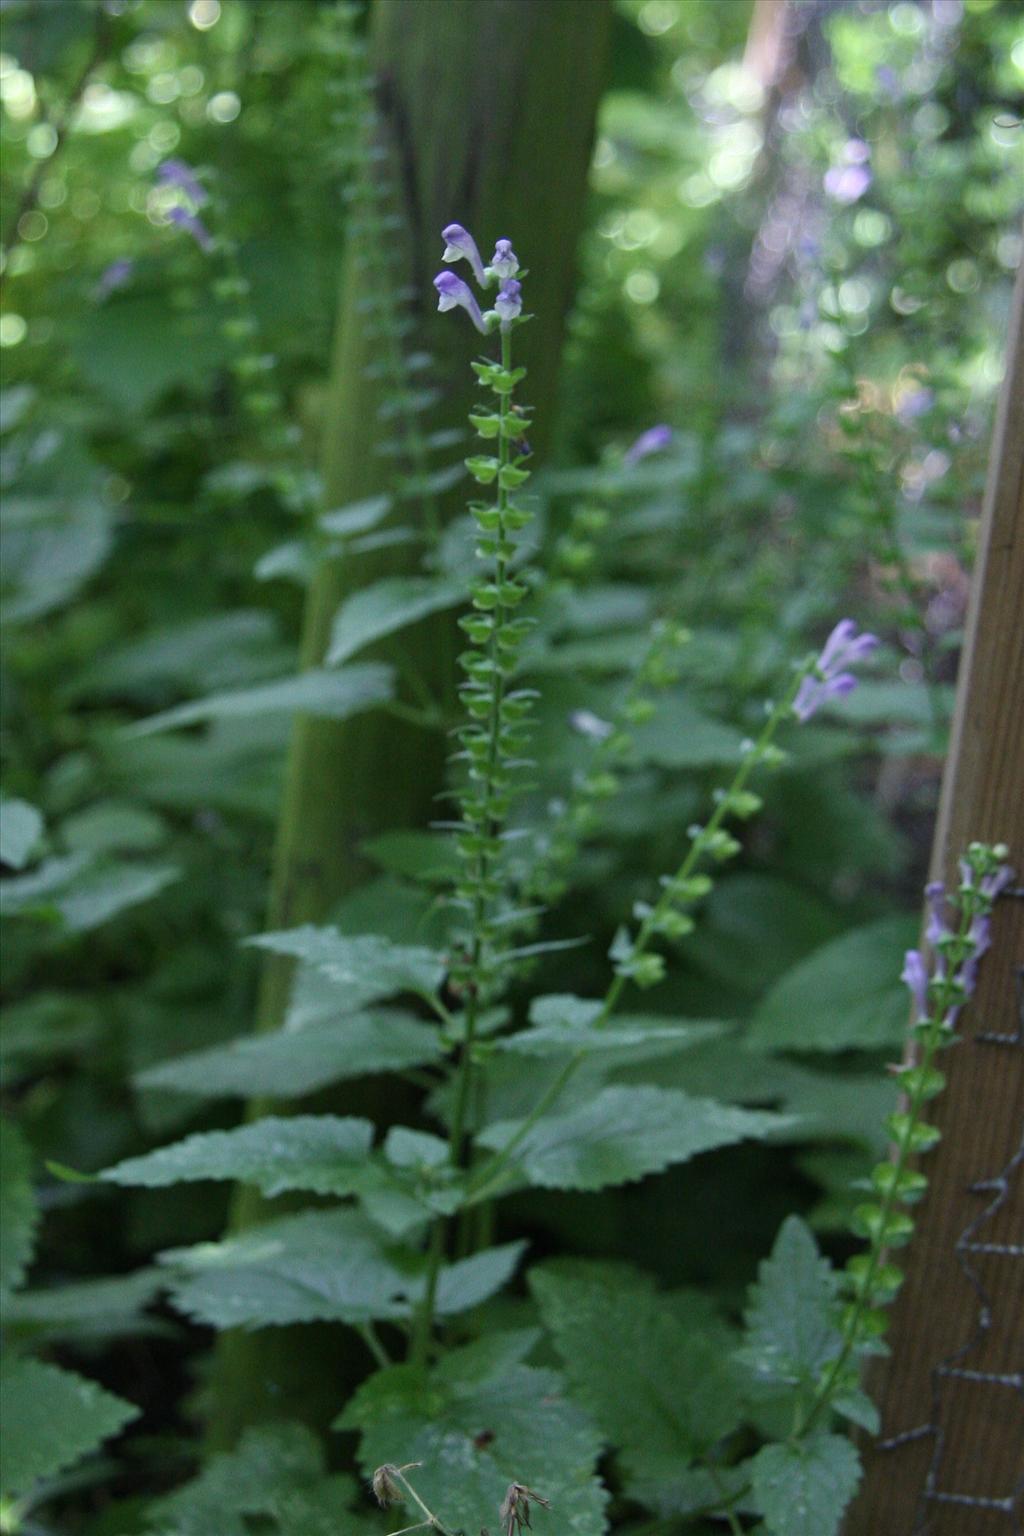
(830, 677)
(453, 293)
(953, 972)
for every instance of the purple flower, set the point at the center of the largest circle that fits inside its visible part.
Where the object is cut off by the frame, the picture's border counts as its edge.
(459, 243)
(175, 173)
(914, 403)
(843, 648)
(847, 183)
(993, 885)
(915, 974)
(652, 441)
(509, 302)
(453, 293)
(504, 262)
(888, 81)
(193, 224)
(113, 277)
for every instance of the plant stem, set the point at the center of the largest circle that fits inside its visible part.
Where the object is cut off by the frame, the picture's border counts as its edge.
(482, 1185)
(464, 1085)
(424, 1324)
(431, 1518)
(374, 1345)
(479, 937)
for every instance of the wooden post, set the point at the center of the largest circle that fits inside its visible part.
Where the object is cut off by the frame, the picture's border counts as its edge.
(950, 1459)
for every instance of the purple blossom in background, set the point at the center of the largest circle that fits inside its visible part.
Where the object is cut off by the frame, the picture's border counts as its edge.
(654, 440)
(847, 183)
(193, 224)
(915, 974)
(113, 277)
(509, 302)
(850, 179)
(843, 648)
(888, 81)
(175, 173)
(589, 724)
(914, 403)
(458, 245)
(453, 293)
(504, 262)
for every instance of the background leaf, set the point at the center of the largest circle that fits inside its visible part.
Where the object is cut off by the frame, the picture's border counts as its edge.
(495, 1421)
(52, 1418)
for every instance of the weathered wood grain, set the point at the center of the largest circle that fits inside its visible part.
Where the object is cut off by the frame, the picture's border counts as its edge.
(971, 1449)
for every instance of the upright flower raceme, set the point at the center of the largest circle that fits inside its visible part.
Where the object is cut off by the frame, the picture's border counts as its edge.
(830, 677)
(175, 173)
(184, 214)
(453, 293)
(955, 958)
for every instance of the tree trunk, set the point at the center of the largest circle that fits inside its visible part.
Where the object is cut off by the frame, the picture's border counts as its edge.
(489, 106)
(950, 1460)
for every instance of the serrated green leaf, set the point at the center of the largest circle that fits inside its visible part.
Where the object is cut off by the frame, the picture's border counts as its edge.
(18, 1214)
(791, 1319)
(293, 1062)
(277, 1472)
(322, 1266)
(49, 547)
(356, 516)
(93, 1309)
(679, 736)
(477, 1423)
(423, 856)
(803, 1489)
(677, 1491)
(845, 994)
(51, 1418)
(21, 827)
(326, 1154)
(331, 695)
(223, 651)
(383, 609)
(654, 1371)
(624, 1134)
(81, 893)
(364, 967)
(562, 1023)
(105, 890)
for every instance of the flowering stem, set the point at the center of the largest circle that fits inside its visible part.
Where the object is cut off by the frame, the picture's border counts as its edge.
(933, 1036)
(483, 1184)
(424, 1324)
(464, 1084)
